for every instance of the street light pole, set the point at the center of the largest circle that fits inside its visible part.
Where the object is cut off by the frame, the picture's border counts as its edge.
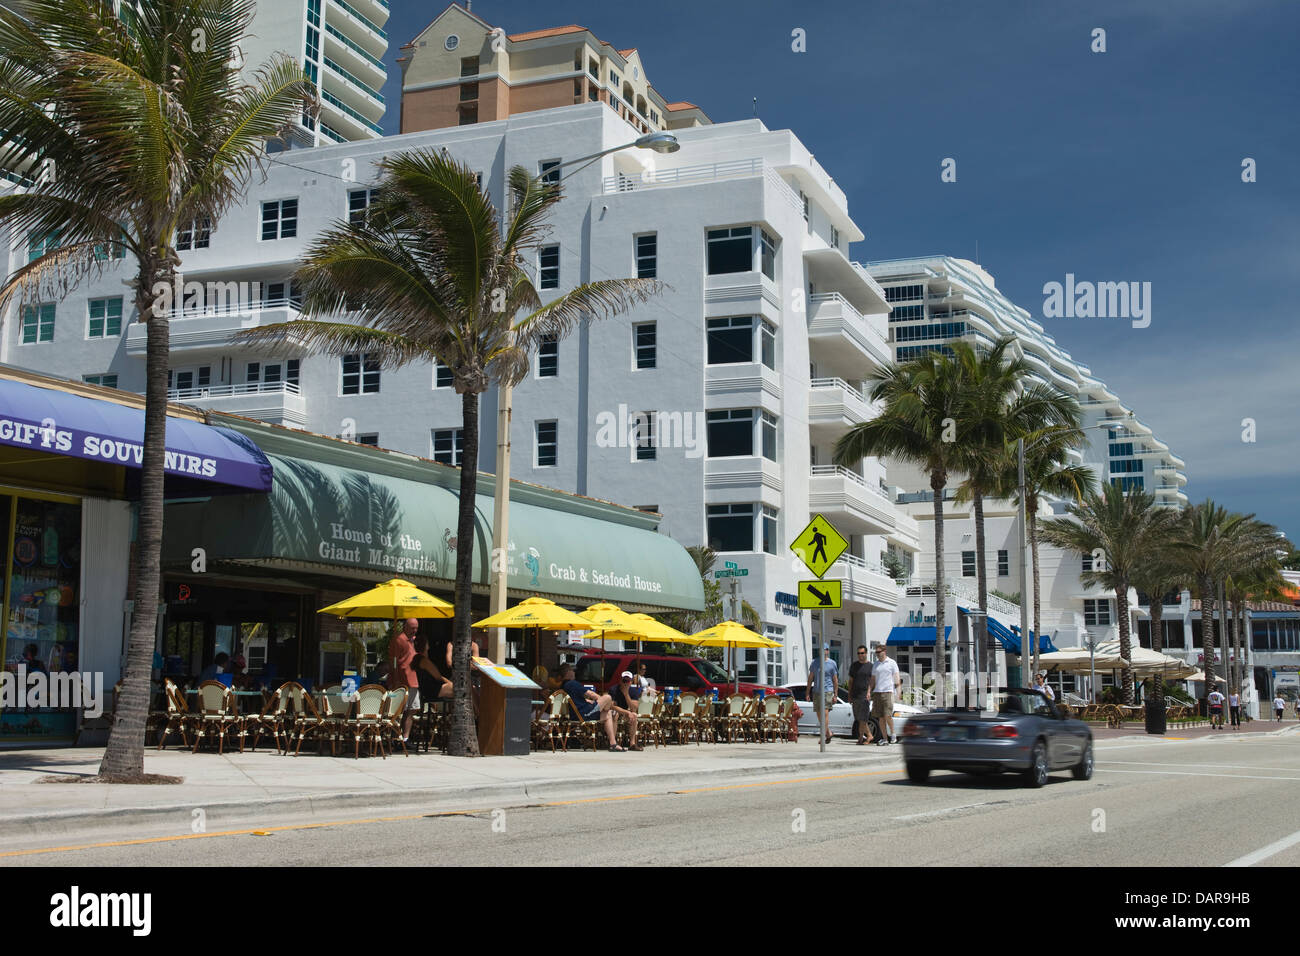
(1024, 578)
(659, 142)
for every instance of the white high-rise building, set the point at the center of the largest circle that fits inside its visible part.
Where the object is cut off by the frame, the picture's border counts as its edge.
(341, 46)
(751, 361)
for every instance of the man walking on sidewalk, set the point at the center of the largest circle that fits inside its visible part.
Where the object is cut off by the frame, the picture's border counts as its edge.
(1216, 709)
(860, 695)
(1234, 708)
(830, 684)
(884, 684)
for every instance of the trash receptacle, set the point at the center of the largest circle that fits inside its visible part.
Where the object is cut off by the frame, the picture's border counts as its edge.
(1155, 710)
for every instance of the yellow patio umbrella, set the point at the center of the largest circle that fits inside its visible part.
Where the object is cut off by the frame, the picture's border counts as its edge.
(659, 631)
(539, 614)
(612, 619)
(392, 599)
(733, 635)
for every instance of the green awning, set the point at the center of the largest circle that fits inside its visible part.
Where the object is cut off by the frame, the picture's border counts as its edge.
(368, 526)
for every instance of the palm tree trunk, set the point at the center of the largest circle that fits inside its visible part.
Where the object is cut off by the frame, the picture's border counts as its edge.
(1207, 630)
(1238, 612)
(1125, 642)
(124, 754)
(464, 734)
(1157, 645)
(937, 481)
(981, 576)
(1032, 522)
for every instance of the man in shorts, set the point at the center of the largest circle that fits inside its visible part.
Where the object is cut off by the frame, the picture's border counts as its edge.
(830, 691)
(884, 684)
(1216, 709)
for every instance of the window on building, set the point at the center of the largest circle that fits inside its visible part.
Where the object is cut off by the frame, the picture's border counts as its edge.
(731, 527)
(906, 313)
(767, 261)
(1004, 563)
(194, 234)
(939, 330)
(548, 170)
(548, 444)
(904, 293)
(1129, 484)
(280, 219)
(730, 340)
(1126, 466)
(906, 353)
(647, 255)
(771, 544)
(835, 237)
(36, 324)
(360, 374)
(548, 357)
(282, 292)
(968, 564)
(1086, 564)
(117, 250)
(469, 66)
(1121, 449)
(648, 509)
(548, 267)
(368, 438)
(107, 380)
(646, 446)
(448, 445)
(41, 244)
(468, 91)
(731, 432)
(105, 318)
(359, 201)
(468, 114)
(767, 336)
(803, 197)
(643, 344)
(442, 377)
(730, 250)
(1096, 612)
(768, 426)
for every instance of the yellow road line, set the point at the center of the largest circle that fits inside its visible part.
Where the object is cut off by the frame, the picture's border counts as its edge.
(263, 830)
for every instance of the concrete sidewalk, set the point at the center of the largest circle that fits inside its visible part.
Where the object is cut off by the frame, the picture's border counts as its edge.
(235, 788)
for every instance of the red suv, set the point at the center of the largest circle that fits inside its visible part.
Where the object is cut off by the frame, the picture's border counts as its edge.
(688, 673)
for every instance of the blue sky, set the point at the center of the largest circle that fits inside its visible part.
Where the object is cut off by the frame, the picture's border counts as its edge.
(1115, 166)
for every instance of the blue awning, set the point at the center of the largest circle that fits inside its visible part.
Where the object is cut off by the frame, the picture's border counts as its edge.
(58, 423)
(916, 635)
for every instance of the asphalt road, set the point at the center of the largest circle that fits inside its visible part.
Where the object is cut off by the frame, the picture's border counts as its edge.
(1153, 803)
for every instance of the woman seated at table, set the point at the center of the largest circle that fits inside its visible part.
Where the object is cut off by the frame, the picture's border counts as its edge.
(433, 686)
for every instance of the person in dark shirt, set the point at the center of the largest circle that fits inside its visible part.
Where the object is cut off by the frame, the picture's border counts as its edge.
(860, 695)
(591, 706)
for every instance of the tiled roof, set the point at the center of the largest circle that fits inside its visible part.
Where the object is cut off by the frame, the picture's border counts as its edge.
(551, 32)
(624, 53)
(681, 105)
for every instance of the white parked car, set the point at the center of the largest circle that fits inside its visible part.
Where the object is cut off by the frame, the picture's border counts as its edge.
(842, 713)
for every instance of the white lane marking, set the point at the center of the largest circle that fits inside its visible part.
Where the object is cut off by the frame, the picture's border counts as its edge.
(1214, 766)
(935, 813)
(1263, 853)
(1188, 773)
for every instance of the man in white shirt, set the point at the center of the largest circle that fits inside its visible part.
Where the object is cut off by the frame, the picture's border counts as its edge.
(1216, 709)
(884, 684)
(1279, 705)
(1234, 708)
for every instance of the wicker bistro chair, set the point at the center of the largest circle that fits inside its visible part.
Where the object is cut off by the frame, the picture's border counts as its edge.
(367, 721)
(309, 720)
(647, 717)
(391, 724)
(551, 721)
(178, 716)
(687, 723)
(278, 716)
(770, 720)
(738, 718)
(217, 714)
(335, 710)
(784, 719)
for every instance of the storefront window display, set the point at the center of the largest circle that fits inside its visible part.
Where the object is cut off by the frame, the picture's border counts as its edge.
(42, 604)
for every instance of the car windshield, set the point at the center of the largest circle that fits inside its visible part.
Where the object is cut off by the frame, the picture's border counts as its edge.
(711, 671)
(1025, 703)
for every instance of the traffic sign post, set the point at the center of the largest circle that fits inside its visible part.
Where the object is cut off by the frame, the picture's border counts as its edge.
(819, 594)
(818, 546)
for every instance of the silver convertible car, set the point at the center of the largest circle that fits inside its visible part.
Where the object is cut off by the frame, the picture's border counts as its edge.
(1028, 735)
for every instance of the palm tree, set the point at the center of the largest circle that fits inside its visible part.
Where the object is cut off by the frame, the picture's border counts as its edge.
(1124, 527)
(1155, 575)
(1206, 546)
(1048, 473)
(920, 403)
(428, 274)
(143, 123)
(996, 409)
(1255, 574)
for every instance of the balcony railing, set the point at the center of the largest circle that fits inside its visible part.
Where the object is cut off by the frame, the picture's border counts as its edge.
(854, 561)
(853, 313)
(838, 383)
(910, 497)
(223, 391)
(966, 593)
(363, 87)
(355, 47)
(820, 471)
(339, 104)
(361, 18)
(235, 308)
(683, 175)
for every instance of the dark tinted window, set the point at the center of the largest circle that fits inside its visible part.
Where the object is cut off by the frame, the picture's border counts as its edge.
(681, 674)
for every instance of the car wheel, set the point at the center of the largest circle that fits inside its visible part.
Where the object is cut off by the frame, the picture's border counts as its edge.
(1036, 775)
(917, 772)
(1083, 769)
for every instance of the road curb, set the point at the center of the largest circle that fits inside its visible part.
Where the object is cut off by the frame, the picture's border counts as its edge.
(228, 814)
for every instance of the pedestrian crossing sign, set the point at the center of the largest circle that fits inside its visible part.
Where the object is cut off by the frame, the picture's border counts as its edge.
(819, 545)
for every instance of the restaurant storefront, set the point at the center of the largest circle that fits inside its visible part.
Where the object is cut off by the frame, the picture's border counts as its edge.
(341, 517)
(68, 472)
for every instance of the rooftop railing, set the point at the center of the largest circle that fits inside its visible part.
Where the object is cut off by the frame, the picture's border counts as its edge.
(225, 391)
